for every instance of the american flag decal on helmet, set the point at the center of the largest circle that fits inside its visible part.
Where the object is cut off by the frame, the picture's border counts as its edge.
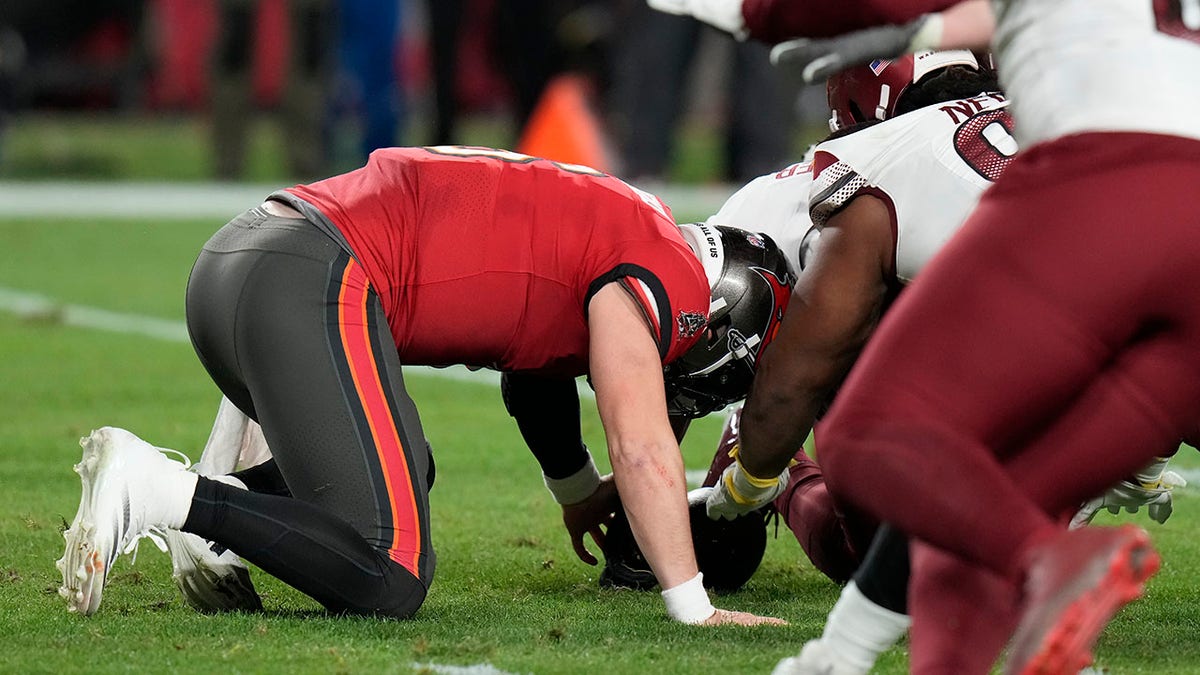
(879, 65)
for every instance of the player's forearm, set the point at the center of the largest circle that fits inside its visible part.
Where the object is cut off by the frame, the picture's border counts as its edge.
(546, 410)
(967, 25)
(791, 389)
(653, 490)
(775, 423)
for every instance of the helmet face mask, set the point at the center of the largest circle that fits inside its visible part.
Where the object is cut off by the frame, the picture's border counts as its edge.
(749, 296)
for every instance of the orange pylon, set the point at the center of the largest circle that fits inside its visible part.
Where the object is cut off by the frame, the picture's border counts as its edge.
(563, 127)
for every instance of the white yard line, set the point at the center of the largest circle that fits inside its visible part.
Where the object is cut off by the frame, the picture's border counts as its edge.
(129, 200)
(475, 669)
(35, 306)
(1192, 476)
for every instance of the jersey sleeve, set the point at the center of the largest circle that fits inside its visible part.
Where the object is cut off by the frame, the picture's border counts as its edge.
(835, 183)
(671, 292)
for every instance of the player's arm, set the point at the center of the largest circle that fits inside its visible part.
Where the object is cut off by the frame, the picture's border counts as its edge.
(967, 25)
(834, 308)
(546, 410)
(626, 371)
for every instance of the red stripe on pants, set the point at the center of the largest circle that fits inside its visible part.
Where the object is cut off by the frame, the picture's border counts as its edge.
(405, 547)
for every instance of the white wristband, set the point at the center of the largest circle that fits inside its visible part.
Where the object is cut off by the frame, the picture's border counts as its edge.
(688, 602)
(576, 487)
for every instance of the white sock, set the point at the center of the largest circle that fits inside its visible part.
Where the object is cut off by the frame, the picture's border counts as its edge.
(176, 489)
(180, 489)
(858, 630)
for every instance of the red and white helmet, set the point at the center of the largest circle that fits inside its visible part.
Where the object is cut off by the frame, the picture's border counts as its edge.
(870, 92)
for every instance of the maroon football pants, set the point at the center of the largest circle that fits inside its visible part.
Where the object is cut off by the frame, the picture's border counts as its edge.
(1049, 351)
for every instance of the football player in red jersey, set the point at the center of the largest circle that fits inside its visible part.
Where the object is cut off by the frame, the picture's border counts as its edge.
(1033, 391)
(303, 310)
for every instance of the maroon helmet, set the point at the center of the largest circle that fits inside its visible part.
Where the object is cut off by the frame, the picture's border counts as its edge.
(870, 92)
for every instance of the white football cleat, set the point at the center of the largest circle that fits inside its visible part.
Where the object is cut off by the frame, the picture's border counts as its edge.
(816, 659)
(212, 578)
(126, 492)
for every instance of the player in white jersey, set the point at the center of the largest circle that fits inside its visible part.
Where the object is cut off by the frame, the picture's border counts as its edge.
(778, 204)
(928, 166)
(940, 109)
(1084, 66)
(1075, 363)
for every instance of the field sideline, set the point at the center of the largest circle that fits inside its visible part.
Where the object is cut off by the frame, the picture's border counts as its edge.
(509, 596)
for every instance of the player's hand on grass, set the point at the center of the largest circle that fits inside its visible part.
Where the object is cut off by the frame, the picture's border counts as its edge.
(591, 516)
(1152, 488)
(726, 617)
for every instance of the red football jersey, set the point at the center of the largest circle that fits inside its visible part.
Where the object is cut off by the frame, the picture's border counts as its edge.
(488, 257)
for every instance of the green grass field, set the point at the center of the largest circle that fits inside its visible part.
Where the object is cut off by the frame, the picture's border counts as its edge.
(509, 594)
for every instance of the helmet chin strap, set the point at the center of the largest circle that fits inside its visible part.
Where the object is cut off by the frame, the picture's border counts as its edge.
(885, 95)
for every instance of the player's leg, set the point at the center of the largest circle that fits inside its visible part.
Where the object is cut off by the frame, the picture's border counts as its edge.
(914, 433)
(306, 91)
(869, 616)
(833, 539)
(1077, 582)
(232, 66)
(299, 341)
(962, 613)
(1134, 410)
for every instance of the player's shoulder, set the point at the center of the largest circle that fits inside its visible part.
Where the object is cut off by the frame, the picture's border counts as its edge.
(791, 180)
(908, 133)
(956, 145)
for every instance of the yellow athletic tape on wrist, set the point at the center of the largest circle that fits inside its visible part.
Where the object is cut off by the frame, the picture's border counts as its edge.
(757, 482)
(737, 496)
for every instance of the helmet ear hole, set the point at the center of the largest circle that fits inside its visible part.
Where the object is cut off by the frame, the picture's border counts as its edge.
(856, 113)
(716, 333)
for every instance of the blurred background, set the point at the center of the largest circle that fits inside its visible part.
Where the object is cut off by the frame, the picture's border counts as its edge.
(282, 91)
